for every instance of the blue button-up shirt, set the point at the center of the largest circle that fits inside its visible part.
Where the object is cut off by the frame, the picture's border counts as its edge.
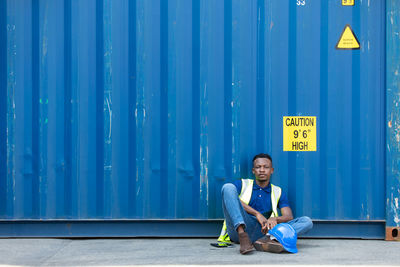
(261, 198)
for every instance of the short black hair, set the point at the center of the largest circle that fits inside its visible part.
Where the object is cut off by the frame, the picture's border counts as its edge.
(263, 156)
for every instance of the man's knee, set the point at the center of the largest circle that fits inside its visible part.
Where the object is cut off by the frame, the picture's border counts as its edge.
(307, 222)
(228, 188)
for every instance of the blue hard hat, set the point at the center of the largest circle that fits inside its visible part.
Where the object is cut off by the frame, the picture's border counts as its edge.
(286, 235)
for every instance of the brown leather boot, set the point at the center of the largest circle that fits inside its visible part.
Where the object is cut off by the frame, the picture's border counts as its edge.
(265, 244)
(245, 243)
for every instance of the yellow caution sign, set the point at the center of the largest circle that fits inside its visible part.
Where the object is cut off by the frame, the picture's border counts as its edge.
(348, 39)
(300, 133)
(347, 2)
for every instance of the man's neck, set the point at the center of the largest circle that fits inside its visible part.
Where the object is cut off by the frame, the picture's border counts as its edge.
(262, 183)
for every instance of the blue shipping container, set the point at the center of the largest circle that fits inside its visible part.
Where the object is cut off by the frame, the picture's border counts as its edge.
(118, 112)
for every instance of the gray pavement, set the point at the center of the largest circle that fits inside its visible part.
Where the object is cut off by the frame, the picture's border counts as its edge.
(128, 252)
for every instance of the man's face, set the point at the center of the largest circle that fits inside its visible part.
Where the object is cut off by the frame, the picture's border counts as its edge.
(262, 169)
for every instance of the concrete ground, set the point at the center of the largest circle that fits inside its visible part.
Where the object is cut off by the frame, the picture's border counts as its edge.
(128, 252)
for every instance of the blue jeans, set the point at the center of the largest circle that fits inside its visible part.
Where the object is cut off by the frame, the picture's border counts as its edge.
(235, 215)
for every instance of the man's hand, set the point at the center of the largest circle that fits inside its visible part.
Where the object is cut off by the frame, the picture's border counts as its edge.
(271, 223)
(263, 221)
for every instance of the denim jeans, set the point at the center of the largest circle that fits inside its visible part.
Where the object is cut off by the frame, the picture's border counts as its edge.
(235, 215)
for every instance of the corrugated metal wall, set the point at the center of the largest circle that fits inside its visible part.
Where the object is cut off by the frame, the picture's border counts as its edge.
(144, 109)
(393, 120)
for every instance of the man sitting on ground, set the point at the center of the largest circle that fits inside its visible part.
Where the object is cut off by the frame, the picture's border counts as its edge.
(251, 209)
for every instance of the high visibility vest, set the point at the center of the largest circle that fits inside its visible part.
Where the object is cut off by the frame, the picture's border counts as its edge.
(245, 196)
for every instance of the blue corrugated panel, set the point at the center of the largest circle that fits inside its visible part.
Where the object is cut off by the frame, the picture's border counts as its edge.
(144, 109)
(3, 107)
(393, 117)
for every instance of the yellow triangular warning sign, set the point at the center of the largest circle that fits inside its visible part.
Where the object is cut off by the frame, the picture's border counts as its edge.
(348, 39)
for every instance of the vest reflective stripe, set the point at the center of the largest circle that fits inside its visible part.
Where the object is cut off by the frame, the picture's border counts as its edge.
(247, 190)
(276, 192)
(245, 196)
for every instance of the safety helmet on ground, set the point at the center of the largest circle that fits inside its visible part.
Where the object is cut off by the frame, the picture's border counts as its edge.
(286, 235)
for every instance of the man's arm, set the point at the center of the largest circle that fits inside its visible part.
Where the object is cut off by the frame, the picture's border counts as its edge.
(260, 218)
(287, 215)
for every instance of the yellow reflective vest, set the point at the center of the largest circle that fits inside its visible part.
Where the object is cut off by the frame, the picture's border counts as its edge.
(245, 196)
